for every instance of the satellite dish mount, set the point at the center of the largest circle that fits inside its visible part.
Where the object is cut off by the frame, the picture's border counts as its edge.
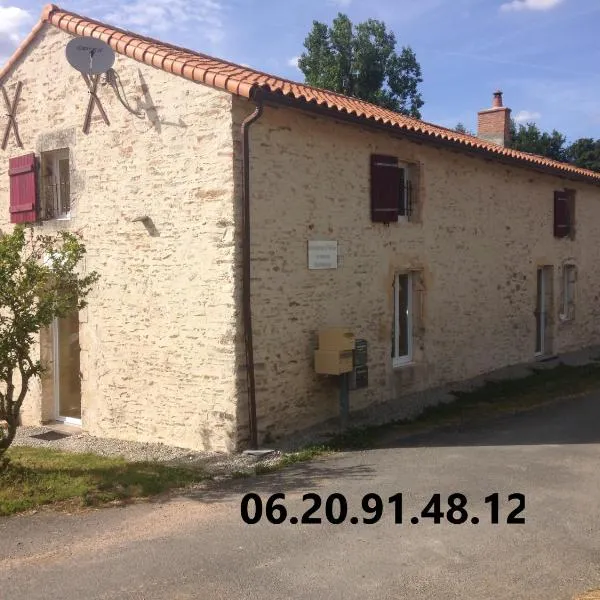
(91, 57)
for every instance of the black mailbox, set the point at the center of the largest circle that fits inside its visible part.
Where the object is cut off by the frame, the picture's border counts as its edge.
(360, 374)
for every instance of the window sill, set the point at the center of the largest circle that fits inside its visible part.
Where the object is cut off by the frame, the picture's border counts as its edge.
(401, 364)
(54, 219)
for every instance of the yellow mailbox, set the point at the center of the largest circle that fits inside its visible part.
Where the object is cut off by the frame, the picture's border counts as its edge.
(335, 353)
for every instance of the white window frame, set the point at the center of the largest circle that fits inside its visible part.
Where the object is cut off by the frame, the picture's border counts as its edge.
(568, 306)
(56, 378)
(54, 157)
(542, 315)
(399, 361)
(404, 218)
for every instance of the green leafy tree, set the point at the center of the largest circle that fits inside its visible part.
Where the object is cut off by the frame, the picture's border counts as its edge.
(39, 281)
(585, 153)
(529, 138)
(361, 61)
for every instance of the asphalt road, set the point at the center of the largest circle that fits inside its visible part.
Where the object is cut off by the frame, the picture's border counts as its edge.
(198, 546)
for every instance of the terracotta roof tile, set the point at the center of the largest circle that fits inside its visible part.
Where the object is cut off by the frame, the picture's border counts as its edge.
(243, 81)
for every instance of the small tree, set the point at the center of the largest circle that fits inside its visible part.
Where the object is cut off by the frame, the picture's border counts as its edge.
(39, 281)
(460, 127)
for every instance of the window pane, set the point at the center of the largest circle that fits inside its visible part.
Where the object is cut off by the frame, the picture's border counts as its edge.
(539, 293)
(394, 326)
(63, 169)
(570, 284)
(63, 186)
(403, 317)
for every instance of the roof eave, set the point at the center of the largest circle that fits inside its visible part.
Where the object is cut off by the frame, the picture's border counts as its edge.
(423, 137)
(124, 43)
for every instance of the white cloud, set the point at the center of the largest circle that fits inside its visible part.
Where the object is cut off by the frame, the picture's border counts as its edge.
(293, 62)
(526, 116)
(342, 3)
(12, 19)
(14, 22)
(158, 17)
(530, 4)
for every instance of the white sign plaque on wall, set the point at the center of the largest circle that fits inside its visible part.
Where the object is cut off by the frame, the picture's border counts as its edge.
(322, 255)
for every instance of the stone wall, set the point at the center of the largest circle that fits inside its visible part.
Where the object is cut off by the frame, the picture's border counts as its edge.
(158, 361)
(483, 230)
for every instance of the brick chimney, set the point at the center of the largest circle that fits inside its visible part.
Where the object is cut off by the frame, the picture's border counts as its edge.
(493, 124)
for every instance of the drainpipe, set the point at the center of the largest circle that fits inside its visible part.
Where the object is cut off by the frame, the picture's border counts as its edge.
(246, 297)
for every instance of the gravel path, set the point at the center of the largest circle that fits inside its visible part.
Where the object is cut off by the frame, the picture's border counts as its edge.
(213, 463)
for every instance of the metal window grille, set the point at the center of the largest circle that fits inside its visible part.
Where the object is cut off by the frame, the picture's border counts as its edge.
(408, 196)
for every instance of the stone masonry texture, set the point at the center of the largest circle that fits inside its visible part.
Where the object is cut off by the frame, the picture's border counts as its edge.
(158, 359)
(484, 228)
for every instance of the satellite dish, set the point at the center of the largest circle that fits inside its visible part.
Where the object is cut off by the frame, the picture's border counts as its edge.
(89, 55)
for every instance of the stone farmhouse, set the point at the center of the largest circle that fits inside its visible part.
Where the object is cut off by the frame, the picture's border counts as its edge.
(232, 215)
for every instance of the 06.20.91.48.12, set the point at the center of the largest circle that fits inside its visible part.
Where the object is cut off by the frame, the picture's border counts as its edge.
(371, 508)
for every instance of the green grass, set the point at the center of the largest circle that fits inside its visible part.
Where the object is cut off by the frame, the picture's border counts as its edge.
(291, 458)
(38, 476)
(493, 398)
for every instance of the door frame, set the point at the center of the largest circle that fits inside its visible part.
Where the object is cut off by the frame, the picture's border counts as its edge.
(540, 302)
(543, 307)
(56, 377)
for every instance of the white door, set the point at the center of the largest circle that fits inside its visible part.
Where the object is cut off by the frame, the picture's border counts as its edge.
(66, 380)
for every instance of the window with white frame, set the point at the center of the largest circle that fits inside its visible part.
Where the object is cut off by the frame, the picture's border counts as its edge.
(55, 201)
(568, 301)
(402, 330)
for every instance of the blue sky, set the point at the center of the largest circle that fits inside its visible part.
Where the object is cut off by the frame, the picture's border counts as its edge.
(544, 54)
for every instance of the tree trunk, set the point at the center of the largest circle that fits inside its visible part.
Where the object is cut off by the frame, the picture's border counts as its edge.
(11, 413)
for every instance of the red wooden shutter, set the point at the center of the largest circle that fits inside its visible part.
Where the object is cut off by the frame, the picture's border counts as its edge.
(562, 221)
(385, 188)
(23, 192)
